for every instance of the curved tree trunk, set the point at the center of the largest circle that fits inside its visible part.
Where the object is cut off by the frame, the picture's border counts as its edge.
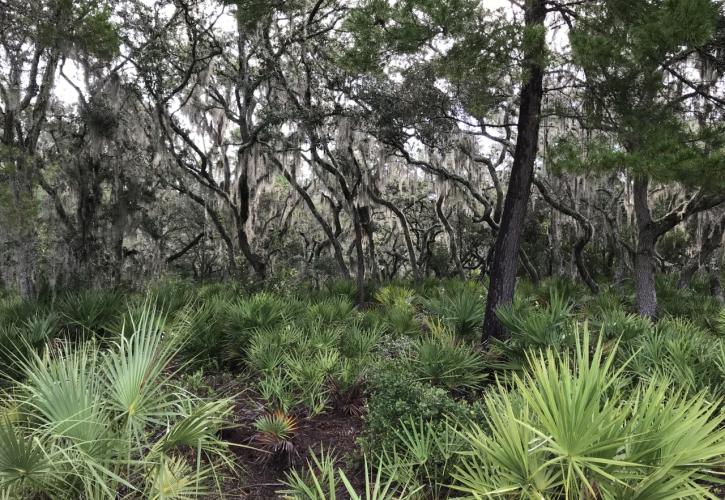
(581, 242)
(508, 240)
(712, 242)
(331, 237)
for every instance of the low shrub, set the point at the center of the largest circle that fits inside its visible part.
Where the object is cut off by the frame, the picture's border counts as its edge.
(580, 434)
(460, 307)
(94, 423)
(397, 395)
(445, 361)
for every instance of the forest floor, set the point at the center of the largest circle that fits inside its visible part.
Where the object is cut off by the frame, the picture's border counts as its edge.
(259, 475)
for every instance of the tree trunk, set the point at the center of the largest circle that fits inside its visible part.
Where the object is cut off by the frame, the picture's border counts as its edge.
(644, 260)
(360, 268)
(581, 242)
(716, 287)
(331, 237)
(367, 225)
(508, 240)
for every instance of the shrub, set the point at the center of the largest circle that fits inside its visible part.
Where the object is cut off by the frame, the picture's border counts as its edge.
(443, 360)
(331, 311)
(686, 303)
(720, 322)
(172, 295)
(578, 434)
(396, 395)
(242, 317)
(91, 311)
(533, 327)
(461, 307)
(323, 480)
(274, 434)
(424, 456)
(616, 324)
(358, 341)
(676, 350)
(18, 340)
(95, 423)
(399, 319)
(394, 294)
(339, 288)
(202, 326)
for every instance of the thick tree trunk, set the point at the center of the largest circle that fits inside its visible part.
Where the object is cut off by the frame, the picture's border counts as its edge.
(644, 260)
(367, 225)
(508, 240)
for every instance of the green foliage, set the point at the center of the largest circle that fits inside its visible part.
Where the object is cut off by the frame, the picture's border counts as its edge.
(687, 303)
(244, 316)
(275, 432)
(445, 361)
(679, 351)
(339, 288)
(321, 480)
(625, 49)
(720, 322)
(640, 446)
(461, 307)
(397, 395)
(91, 311)
(619, 324)
(400, 319)
(634, 416)
(203, 326)
(394, 294)
(424, 456)
(93, 422)
(535, 326)
(333, 310)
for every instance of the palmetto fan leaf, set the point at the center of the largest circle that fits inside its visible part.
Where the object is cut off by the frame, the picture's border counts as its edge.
(134, 371)
(174, 479)
(198, 430)
(64, 389)
(22, 460)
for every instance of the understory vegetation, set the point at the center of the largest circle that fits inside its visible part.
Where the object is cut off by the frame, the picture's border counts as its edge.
(198, 391)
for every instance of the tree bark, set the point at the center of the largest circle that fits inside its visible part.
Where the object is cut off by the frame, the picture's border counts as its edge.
(715, 283)
(360, 256)
(331, 237)
(644, 259)
(508, 239)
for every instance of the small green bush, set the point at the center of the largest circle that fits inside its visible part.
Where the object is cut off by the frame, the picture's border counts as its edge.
(581, 433)
(397, 395)
(447, 362)
(619, 324)
(460, 307)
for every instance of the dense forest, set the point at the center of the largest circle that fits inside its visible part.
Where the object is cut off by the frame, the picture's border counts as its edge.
(368, 249)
